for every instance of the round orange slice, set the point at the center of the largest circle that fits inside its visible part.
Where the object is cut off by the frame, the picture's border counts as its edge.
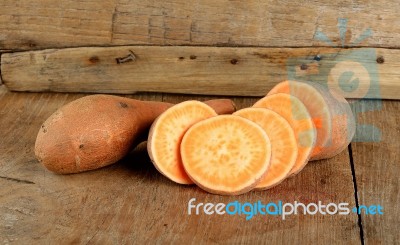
(226, 154)
(283, 142)
(296, 114)
(165, 137)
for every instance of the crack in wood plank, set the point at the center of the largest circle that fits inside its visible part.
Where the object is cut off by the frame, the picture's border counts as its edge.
(376, 160)
(113, 19)
(353, 173)
(1, 79)
(17, 180)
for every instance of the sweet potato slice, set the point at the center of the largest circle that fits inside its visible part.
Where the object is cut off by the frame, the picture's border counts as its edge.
(330, 112)
(283, 142)
(294, 111)
(166, 134)
(226, 154)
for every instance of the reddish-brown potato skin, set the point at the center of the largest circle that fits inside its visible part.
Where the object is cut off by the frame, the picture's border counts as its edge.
(98, 130)
(93, 132)
(222, 106)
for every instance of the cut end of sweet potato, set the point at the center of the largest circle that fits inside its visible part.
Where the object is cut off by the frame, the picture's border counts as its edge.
(283, 142)
(296, 114)
(166, 134)
(226, 155)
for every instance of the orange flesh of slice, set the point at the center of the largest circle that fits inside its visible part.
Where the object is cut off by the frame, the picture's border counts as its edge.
(283, 143)
(294, 111)
(226, 154)
(166, 135)
(315, 105)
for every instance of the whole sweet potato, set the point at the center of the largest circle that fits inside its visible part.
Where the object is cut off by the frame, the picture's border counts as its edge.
(98, 130)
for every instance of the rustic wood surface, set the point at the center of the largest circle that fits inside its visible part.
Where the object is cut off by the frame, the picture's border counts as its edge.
(130, 202)
(202, 70)
(38, 24)
(377, 166)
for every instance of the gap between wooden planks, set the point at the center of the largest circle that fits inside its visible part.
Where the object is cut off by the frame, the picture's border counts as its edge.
(356, 72)
(376, 158)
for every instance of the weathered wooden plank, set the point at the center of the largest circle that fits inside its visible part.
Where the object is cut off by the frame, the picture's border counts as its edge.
(130, 202)
(376, 162)
(356, 73)
(39, 24)
(1, 80)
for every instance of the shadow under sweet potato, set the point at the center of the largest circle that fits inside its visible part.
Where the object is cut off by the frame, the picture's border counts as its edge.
(138, 165)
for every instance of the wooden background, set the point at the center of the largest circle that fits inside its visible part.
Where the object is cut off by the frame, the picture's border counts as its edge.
(41, 24)
(236, 48)
(264, 27)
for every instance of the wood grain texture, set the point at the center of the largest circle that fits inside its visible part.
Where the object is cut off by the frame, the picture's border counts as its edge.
(38, 24)
(130, 202)
(1, 80)
(368, 73)
(376, 162)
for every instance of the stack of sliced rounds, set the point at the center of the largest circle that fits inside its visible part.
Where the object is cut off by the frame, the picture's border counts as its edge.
(330, 113)
(255, 148)
(283, 144)
(166, 133)
(296, 114)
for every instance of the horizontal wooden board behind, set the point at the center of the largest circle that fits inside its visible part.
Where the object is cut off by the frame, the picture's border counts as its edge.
(356, 73)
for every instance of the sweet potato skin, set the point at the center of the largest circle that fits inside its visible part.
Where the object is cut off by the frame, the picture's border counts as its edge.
(93, 132)
(98, 130)
(222, 106)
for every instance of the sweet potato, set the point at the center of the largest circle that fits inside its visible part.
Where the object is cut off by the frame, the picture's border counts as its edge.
(330, 112)
(226, 154)
(166, 135)
(294, 111)
(283, 143)
(95, 131)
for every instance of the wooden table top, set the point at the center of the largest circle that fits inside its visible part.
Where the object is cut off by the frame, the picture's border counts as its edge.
(130, 202)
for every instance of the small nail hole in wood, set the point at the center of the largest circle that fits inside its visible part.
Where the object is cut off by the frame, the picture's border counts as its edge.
(234, 61)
